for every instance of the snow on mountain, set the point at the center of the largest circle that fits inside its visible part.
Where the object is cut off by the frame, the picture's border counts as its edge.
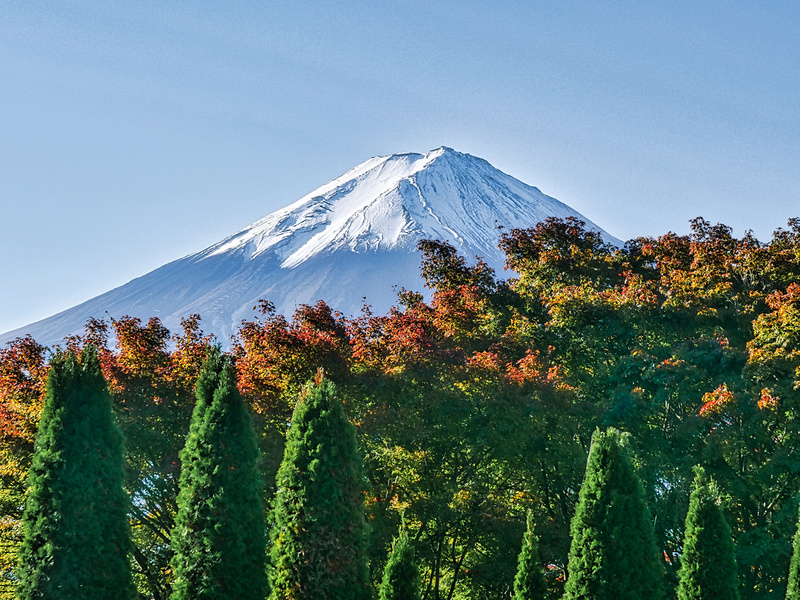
(354, 237)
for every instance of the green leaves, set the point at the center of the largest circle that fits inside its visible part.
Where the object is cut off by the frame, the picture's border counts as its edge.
(529, 583)
(219, 538)
(613, 554)
(401, 575)
(319, 532)
(76, 537)
(708, 565)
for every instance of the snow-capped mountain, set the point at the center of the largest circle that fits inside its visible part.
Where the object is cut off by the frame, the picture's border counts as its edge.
(352, 238)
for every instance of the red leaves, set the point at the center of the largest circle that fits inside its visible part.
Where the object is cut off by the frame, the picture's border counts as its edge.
(276, 357)
(23, 373)
(767, 401)
(714, 403)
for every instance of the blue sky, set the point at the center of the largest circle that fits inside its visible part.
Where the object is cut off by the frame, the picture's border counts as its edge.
(134, 133)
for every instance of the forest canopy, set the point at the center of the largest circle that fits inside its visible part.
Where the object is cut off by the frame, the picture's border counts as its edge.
(477, 407)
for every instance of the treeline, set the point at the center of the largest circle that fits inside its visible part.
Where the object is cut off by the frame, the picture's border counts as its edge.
(477, 408)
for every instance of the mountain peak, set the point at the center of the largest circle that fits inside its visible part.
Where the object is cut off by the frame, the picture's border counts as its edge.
(353, 237)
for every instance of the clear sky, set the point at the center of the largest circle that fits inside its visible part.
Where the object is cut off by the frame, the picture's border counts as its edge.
(133, 133)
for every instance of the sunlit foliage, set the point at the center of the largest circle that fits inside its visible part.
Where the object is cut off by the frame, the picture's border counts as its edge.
(475, 399)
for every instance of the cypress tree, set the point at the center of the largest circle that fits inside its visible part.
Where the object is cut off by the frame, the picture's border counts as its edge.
(613, 553)
(793, 587)
(400, 576)
(219, 536)
(708, 565)
(319, 534)
(76, 539)
(529, 583)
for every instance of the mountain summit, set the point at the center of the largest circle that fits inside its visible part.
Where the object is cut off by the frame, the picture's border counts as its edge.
(352, 238)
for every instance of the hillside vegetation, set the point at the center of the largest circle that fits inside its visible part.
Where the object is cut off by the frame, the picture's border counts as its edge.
(478, 408)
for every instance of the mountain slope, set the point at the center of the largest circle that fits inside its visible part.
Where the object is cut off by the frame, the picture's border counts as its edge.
(353, 237)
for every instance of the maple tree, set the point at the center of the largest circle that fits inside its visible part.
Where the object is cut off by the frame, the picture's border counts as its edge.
(23, 374)
(475, 402)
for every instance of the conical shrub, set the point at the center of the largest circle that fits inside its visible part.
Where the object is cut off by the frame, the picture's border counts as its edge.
(530, 583)
(793, 587)
(400, 575)
(318, 532)
(219, 537)
(613, 554)
(76, 538)
(708, 564)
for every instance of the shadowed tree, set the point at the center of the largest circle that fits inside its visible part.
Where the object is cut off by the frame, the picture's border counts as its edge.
(400, 576)
(793, 587)
(529, 583)
(76, 536)
(708, 565)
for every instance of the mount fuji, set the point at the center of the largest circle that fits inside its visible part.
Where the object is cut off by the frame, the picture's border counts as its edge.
(353, 238)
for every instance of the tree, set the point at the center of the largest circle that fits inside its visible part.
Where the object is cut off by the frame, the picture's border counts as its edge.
(219, 538)
(529, 584)
(613, 554)
(400, 576)
(319, 532)
(76, 538)
(708, 565)
(23, 376)
(793, 587)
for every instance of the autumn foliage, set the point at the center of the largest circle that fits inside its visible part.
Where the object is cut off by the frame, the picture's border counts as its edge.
(475, 399)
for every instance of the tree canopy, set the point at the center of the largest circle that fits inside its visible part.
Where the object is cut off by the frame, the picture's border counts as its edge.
(475, 400)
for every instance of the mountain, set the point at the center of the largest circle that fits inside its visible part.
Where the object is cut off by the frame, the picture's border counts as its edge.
(354, 237)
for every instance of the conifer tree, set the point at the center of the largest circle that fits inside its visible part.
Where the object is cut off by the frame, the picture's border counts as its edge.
(529, 583)
(400, 575)
(76, 538)
(318, 532)
(219, 536)
(793, 587)
(613, 552)
(708, 565)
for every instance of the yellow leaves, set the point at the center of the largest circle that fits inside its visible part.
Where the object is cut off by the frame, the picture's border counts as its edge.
(767, 401)
(405, 464)
(461, 500)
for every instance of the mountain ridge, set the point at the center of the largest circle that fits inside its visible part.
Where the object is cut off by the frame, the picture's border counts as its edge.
(350, 238)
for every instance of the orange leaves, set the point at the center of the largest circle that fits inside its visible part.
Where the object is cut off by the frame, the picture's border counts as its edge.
(190, 352)
(395, 342)
(722, 400)
(459, 312)
(767, 401)
(276, 357)
(535, 368)
(142, 350)
(790, 299)
(23, 374)
(559, 252)
(714, 403)
(774, 351)
(490, 361)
